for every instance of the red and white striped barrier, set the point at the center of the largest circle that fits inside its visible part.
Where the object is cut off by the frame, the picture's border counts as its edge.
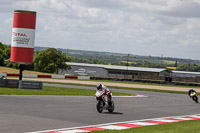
(46, 76)
(123, 125)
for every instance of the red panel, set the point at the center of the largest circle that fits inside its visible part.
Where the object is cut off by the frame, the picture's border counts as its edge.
(129, 125)
(44, 76)
(13, 75)
(20, 54)
(93, 129)
(71, 77)
(24, 20)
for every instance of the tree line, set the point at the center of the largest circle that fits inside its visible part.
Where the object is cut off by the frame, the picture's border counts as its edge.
(49, 60)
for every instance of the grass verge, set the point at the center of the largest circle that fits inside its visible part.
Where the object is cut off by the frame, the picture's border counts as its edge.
(16, 71)
(47, 90)
(191, 126)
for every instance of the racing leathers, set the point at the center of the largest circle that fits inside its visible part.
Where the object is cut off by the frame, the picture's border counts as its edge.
(191, 91)
(106, 95)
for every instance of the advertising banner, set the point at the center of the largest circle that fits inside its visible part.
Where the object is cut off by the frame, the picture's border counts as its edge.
(23, 37)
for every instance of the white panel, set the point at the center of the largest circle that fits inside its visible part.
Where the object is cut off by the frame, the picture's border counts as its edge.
(143, 123)
(163, 120)
(73, 131)
(183, 118)
(3, 74)
(23, 37)
(57, 76)
(113, 127)
(29, 75)
(83, 77)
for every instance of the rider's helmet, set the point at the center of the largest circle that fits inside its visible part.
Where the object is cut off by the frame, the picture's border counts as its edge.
(191, 90)
(99, 87)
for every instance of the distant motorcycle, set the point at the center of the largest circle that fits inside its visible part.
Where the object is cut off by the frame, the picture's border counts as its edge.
(194, 97)
(101, 104)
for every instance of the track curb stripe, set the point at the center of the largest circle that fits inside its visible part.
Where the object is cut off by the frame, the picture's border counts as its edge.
(124, 125)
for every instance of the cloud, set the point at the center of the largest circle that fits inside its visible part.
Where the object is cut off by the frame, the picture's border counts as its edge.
(185, 9)
(145, 27)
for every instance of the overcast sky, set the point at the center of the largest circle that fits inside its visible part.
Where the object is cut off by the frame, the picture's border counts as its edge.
(140, 27)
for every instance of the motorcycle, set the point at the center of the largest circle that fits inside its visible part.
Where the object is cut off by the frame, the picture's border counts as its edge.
(194, 97)
(101, 104)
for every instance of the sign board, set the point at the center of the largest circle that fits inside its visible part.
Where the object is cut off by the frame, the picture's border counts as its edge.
(23, 37)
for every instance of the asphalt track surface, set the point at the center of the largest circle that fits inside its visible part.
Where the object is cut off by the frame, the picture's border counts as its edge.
(20, 114)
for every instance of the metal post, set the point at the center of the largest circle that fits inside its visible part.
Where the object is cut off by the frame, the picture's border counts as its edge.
(127, 65)
(21, 68)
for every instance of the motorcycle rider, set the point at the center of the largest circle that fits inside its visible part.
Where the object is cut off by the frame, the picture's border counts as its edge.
(106, 95)
(191, 91)
(2, 77)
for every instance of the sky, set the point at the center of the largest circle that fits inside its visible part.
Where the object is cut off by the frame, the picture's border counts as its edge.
(140, 27)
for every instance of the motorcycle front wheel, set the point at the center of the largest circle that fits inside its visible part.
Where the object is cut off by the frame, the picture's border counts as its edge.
(100, 106)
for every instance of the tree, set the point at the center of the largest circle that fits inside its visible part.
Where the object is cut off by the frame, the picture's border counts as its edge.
(50, 60)
(4, 53)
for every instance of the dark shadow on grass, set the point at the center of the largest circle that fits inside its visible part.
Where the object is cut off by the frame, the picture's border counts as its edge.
(114, 113)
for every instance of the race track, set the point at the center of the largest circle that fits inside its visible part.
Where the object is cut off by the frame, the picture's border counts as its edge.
(20, 114)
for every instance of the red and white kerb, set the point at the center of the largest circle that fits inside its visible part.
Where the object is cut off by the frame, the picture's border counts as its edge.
(23, 37)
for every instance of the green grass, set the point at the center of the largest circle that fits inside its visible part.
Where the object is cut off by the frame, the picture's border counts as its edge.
(125, 88)
(47, 90)
(192, 126)
(75, 84)
(127, 82)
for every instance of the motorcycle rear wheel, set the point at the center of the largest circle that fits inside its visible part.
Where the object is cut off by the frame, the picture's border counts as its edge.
(111, 109)
(195, 98)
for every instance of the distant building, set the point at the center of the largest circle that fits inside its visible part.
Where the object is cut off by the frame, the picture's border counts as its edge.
(99, 70)
(185, 74)
(128, 72)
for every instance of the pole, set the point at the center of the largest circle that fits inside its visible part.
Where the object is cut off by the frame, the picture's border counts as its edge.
(21, 69)
(127, 65)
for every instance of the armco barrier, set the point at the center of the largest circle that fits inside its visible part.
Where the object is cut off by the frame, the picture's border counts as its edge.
(30, 85)
(83, 77)
(3, 74)
(17, 75)
(47, 76)
(71, 77)
(10, 83)
(44, 76)
(3, 82)
(58, 76)
(29, 76)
